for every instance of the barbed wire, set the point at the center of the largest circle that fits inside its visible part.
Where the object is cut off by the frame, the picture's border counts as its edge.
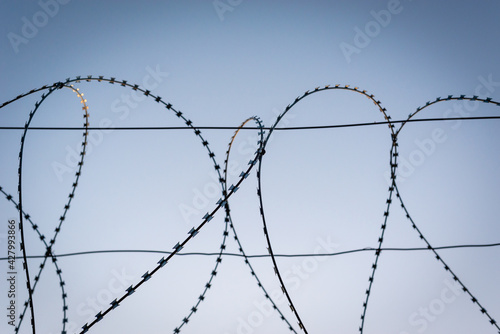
(61, 219)
(223, 203)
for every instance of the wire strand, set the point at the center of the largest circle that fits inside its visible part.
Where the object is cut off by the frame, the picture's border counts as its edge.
(310, 127)
(366, 249)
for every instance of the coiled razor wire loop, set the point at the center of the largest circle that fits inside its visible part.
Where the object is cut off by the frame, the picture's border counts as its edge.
(393, 165)
(222, 202)
(228, 222)
(259, 188)
(41, 236)
(228, 216)
(61, 219)
(414, 226)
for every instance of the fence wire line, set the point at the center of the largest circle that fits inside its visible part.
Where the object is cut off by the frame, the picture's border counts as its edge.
(292, 128)
(357, 250)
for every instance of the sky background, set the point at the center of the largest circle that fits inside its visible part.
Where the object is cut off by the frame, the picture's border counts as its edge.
(324, 191)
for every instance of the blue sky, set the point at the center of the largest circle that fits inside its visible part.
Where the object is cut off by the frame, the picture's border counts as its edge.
(324, 191)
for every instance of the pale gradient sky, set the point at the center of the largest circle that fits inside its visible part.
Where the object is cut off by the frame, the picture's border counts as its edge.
(324, 190)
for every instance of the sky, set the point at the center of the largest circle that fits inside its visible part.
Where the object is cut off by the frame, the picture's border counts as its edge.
(323, 191)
